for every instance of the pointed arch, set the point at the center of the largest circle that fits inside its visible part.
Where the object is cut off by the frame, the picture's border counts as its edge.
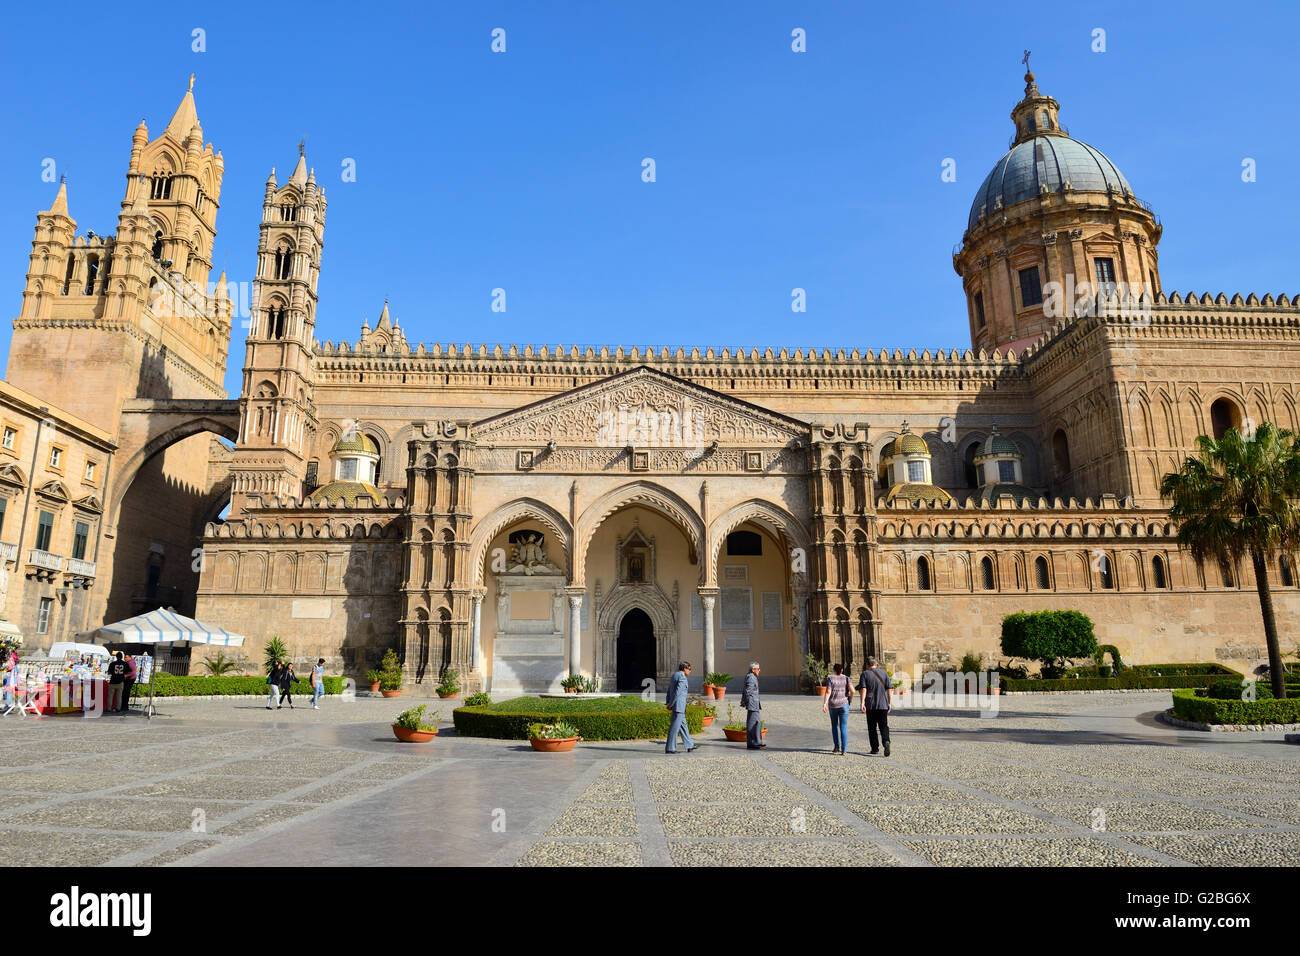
(650, 495)
(512, 512)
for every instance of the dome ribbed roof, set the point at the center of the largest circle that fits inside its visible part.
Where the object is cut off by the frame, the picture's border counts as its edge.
(905, 444)
(358, 442)
(1049, 161)
(997, 444)
(918, 492)
(347, 492)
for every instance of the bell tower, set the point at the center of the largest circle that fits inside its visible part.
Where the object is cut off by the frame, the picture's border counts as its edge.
(277, 415)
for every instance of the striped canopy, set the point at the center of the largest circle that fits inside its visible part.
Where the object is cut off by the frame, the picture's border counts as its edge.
(163, 626)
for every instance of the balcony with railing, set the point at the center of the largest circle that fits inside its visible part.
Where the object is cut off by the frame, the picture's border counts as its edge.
(43, 563)
(8, 552)
(85, 570)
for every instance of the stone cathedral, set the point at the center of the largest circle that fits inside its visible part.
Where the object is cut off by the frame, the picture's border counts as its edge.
(520, 513)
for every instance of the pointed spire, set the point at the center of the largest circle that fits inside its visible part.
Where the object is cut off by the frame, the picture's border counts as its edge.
(140, 207)
(186, 116)
(384, 321)
(60, 207)
(299, 177)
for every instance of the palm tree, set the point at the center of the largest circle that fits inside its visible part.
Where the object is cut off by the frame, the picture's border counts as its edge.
(1238, 496)
(275, 650)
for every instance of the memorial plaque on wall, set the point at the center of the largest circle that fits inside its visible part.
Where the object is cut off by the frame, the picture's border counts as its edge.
(737, 642)
(737, 609)
(697, 613)
(773, 620)
(735, 572)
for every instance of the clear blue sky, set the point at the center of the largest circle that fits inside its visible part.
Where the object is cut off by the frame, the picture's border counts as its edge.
(522, 170)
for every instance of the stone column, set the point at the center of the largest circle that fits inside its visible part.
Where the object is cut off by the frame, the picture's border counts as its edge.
(575, 596)
(476, 631)
(707, 598)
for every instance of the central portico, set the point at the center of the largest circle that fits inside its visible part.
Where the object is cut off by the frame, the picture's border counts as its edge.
(609, 531)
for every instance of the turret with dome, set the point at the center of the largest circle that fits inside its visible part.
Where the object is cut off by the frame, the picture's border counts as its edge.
(1053, 214)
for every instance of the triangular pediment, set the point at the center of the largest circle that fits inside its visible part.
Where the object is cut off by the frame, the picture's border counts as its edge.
(642, 407)
(55, 490)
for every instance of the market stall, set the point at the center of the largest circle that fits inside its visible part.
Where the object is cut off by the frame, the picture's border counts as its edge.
(163, 626)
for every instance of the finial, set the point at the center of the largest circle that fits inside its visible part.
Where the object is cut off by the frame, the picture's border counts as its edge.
(63, 177)
(1025, 61)
(302, 146)
(191, 82)
(904, 429)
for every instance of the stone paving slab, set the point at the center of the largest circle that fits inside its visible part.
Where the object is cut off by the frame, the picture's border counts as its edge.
(332, 787)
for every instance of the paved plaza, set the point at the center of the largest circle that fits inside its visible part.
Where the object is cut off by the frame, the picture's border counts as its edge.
(1052, 780)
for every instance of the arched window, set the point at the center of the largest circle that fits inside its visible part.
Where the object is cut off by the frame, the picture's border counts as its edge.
(968, 462)
(67, 279)
(837, 487)
(986, 572)
(1042, 579)
(92, 272)
(857, 485)
(1104, 572)
(1223, 415)
(1284, 566)
(1158, 576)
(1225, 572)
(922, 574)
(1061, 453)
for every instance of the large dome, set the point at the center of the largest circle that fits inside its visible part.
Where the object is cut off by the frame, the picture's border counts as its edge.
(1048, 161)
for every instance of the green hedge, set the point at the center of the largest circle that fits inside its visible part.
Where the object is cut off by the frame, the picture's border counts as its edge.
(609, 718)
(1232, 689)
(169, 685)
(1207, 710)
(1048, 635)
(1129, 681)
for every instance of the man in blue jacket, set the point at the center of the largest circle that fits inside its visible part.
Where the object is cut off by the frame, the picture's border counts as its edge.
(676, 702)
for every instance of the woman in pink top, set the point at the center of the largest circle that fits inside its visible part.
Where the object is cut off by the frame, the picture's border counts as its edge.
(132, 672)
(839, 689)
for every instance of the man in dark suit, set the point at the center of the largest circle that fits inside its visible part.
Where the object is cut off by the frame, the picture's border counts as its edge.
(749, 699)
(874, 685)
(676, 702)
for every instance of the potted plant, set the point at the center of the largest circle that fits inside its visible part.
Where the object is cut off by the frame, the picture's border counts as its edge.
(554, 737)
(390, 674)
(478, 700)
(572, 684)
(735, 728)
(710, 711)
(450, 685)
(373, 678)
(410, 727)
(719, 682)
(816, 672)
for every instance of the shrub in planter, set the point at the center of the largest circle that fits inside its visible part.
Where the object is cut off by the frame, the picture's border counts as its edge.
(608, 718)
(390, 672)
(1208, 710)
(1050, 637)
(477, 700)
(719, 682)
(410, 725)
(815, 672)
(373, 678)
(572, 684)
(450, 684)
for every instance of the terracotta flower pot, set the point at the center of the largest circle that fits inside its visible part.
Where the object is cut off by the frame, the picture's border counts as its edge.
(708, 721)
(821, 690)
(557, 745)
(739, 736)
(448, 696)
(408, 736)
(570, 690)
(708, 692)
(391, 693)
(719, 693)
(374, 687)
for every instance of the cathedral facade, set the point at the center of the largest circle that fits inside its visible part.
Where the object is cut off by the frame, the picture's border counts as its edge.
(520, 513)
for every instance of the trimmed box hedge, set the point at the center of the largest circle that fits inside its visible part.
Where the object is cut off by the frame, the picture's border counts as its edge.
(1127, 681)
(1208, 710)
(609, 718)
(169, 685)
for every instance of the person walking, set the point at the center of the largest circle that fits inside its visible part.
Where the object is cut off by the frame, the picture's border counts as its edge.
(676, 704)
(874, 684)
(749, 699)
(287, 677)
(317, 683)
(839, 691)
(132, 672)
(273, 682)
(10, 684)
(116, 678)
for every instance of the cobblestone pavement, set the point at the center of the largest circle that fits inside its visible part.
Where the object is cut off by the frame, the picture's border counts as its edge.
(1091, 780)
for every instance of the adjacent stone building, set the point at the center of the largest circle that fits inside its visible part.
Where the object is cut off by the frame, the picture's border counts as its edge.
(522, 512)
